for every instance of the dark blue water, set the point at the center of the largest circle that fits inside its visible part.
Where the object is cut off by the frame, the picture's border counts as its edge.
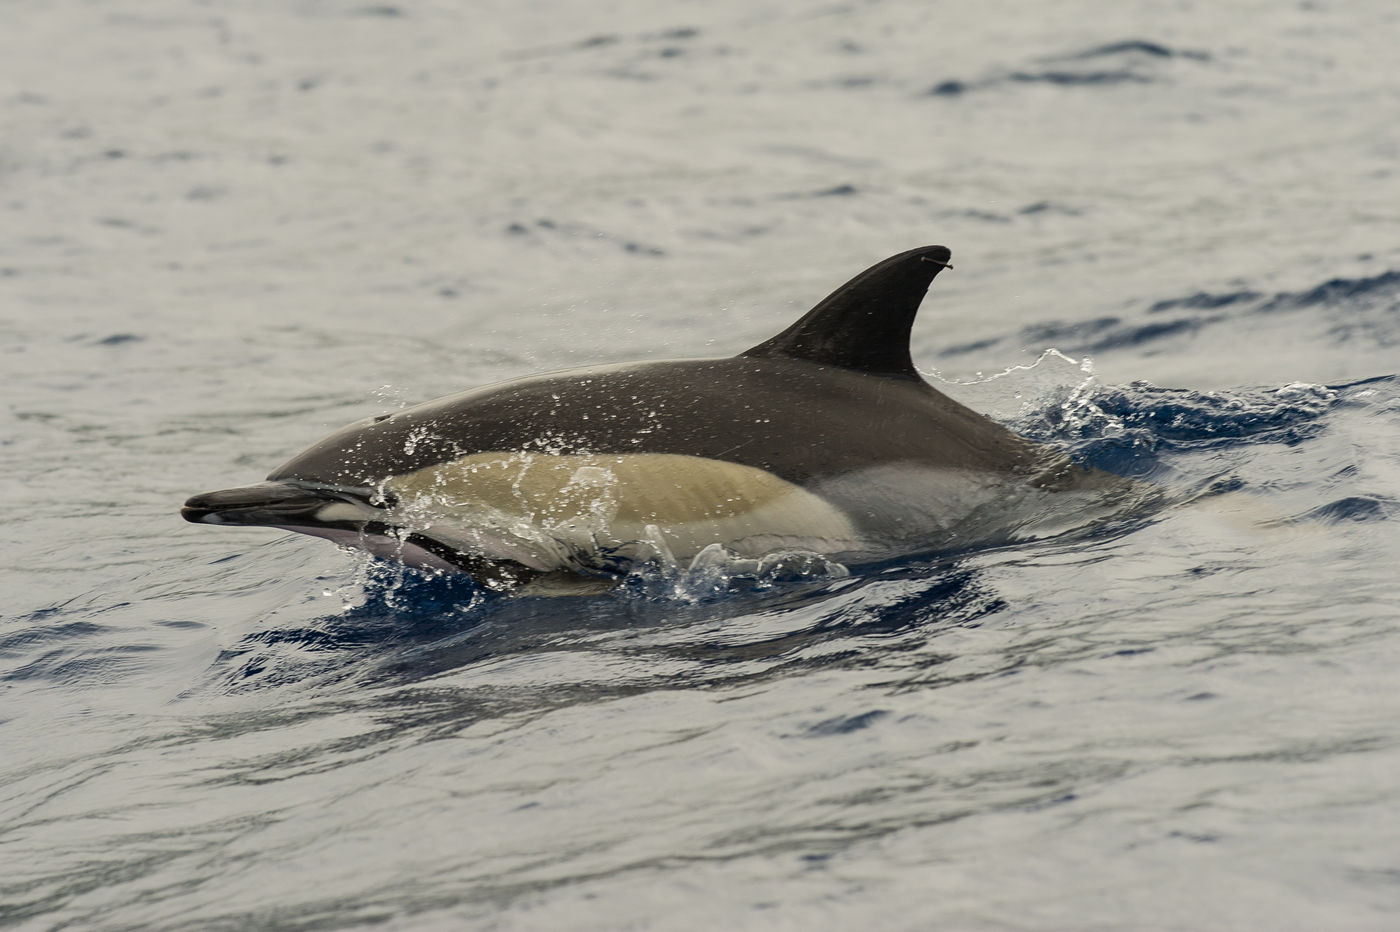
(228, 232)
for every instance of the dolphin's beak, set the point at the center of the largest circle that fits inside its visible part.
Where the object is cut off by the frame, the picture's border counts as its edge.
(274, 503)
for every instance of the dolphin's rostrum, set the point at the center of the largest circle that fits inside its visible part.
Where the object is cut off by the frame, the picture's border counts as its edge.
(823, 439)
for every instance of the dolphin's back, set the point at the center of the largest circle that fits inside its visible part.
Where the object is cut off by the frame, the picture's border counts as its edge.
(794, 419)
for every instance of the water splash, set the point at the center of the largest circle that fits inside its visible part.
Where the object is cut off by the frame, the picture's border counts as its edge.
(716, 572)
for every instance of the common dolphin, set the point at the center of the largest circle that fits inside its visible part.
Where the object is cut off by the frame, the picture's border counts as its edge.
(824, 439)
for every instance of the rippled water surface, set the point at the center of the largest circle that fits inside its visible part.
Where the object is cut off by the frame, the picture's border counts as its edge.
(228, 231)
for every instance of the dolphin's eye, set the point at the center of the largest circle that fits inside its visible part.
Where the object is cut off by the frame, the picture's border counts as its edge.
(382, 417)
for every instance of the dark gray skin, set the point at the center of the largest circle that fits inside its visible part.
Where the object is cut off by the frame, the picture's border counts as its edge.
(834, 394)
(796, 419)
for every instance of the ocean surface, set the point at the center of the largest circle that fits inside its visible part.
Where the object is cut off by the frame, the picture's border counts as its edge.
(226, 230)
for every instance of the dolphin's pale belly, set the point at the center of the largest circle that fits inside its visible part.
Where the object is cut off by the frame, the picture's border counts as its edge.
(567, 511)
(582, 512)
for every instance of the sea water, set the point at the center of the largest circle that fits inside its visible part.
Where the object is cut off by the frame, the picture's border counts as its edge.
(227, 230)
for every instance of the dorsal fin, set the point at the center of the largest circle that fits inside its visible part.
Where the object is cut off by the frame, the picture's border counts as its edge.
(865, 324)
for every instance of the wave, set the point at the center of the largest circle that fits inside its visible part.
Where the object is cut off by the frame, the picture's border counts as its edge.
(1351, 308)
(1132, 61)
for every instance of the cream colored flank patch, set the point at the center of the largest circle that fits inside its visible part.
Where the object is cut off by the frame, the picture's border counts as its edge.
(548, 510)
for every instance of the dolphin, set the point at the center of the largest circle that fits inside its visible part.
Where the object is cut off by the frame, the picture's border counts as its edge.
(822, 440)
